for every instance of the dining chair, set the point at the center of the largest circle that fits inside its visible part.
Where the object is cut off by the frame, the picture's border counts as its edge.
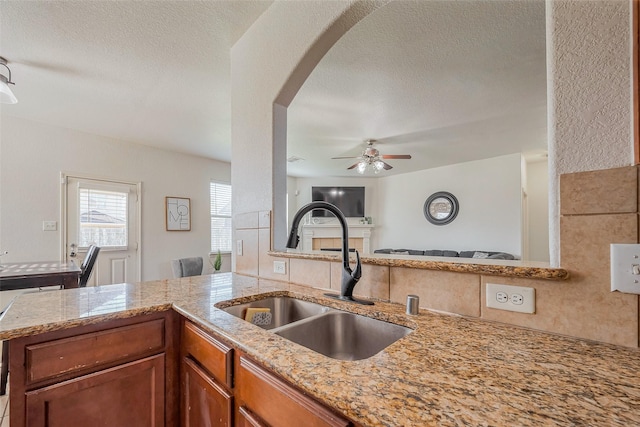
(185, 267)
(87, 265)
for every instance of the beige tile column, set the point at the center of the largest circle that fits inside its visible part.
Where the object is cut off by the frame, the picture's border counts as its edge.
(597, 208)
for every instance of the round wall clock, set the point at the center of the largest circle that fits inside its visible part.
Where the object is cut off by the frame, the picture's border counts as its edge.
(441, 208)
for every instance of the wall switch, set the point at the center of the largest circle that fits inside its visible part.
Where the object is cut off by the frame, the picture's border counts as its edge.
(511, 298)
(625, 268)
(279, 267)
(239, 247)
(49, 225)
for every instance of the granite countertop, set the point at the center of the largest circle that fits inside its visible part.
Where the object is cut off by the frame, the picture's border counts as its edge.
(508, 268)
(450, 371)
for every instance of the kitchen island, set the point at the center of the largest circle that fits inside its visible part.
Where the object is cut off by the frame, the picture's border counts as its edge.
(450, 370)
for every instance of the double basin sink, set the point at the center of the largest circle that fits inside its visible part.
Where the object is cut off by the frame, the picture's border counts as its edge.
(333, 333)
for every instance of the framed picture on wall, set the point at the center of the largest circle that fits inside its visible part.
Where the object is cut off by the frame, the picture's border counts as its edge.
(178, 213)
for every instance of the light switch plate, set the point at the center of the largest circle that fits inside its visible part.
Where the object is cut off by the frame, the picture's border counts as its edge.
(49, 225)
(624, 257)
(239, 247)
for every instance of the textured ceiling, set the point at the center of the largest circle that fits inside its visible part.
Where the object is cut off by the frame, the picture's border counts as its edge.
(445, 81)
(151, 72)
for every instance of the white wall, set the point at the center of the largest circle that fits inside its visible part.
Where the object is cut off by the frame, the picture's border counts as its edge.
(538, 205)
(32, 155)
(488, 192)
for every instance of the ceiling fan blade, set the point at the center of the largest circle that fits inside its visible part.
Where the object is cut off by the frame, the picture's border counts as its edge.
(346, 157)
(396, 156)
(353, 166)
(387, 166)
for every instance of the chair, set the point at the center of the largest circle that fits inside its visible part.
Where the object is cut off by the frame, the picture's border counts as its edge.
(87, 265)
(185, 267)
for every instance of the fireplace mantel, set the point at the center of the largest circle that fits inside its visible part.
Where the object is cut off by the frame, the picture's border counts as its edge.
(333, 230)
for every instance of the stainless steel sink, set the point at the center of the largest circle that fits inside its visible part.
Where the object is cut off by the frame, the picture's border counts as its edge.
(334, 333)
(342, 335)
(284, 310)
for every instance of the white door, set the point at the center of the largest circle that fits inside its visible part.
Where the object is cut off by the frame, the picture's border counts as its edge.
(103, 213)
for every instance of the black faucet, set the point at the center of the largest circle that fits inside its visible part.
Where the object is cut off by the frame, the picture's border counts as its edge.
(349, 278)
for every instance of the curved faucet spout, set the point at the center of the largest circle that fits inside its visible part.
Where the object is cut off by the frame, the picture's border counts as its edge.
(349, 277)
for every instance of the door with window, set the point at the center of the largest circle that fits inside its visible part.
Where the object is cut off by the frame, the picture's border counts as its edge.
(103, 213)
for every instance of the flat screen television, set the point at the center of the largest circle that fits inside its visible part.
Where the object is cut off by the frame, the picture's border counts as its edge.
(350, 200)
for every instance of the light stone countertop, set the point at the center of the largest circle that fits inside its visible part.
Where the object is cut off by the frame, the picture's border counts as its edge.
(450, 371)
(496, 267)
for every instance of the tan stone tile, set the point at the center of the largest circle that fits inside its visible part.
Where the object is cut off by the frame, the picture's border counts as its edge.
(264, 219)
(310, 272)
(583, 306)
(585, 241)
(248, 262)
(266, 261)
(373, 283)
(438, 290)
(246, 220)
(577, 307)
(603, 191)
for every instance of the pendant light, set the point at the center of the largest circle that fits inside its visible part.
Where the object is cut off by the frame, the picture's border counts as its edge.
(6, 95)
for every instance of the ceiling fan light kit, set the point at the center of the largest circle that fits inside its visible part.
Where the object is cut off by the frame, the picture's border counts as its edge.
(6, 95)
(372, 159)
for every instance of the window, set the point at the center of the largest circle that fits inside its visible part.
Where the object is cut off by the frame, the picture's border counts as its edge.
(220, 217)
(103, 218)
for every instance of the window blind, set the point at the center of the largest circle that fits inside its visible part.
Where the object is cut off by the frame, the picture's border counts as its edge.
(220, 217)
(103, 218)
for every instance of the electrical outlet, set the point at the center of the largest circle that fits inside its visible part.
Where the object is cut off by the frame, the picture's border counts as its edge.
(502, 297)
(517, 299)
(239, 247)
(511, 298)
(279, 267)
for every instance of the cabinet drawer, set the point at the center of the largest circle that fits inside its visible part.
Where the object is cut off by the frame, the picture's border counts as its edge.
(277, 403)
(93, 350)
(211, 354)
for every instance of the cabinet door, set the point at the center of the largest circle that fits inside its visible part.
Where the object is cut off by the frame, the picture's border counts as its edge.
(126, 395)
(204, 402)
(247, 419)
(277, 403)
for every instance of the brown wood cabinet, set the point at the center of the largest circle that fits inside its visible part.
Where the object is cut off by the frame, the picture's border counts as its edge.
(207, 379)
(127, 395)
(119, 372)
(275, 402)
(205, 402)
(222, 387)
(131, 372)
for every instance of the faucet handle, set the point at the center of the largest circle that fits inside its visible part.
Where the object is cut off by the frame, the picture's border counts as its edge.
(357, 271)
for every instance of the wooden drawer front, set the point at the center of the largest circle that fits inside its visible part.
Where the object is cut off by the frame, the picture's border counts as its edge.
(214, 356)
(127, 395)
(277, 403)
(204, 401)
(247, 419)
(90, 351)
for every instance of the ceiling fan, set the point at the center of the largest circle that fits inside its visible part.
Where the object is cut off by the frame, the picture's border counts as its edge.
(372, 157)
